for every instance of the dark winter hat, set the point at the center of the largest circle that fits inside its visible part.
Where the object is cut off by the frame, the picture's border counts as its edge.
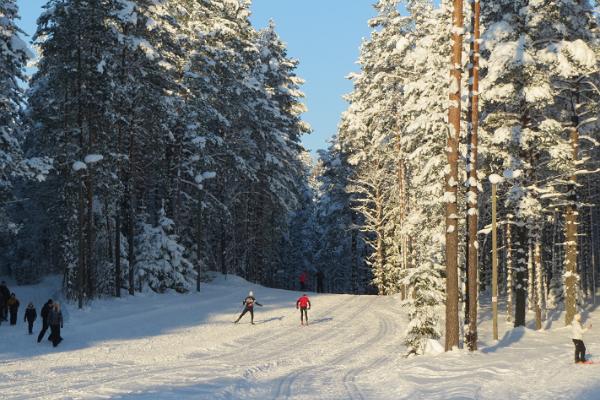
(50, 301)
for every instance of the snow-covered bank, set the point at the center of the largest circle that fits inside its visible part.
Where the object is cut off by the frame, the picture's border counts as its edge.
(185, 347)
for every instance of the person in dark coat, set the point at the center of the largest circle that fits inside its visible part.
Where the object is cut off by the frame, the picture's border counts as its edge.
(5, 296)
(30, 316)
(45, 311)
(13, 308)
(55, 320)
(248, 304)
(2, 305)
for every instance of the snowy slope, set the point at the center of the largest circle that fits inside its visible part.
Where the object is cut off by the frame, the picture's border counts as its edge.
(186, 347)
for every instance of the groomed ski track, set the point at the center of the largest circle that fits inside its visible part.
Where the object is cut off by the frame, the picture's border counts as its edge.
(186, 347)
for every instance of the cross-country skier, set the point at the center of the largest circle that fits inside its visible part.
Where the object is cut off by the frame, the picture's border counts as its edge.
(303, 303)
(577, 335)
(248, 304)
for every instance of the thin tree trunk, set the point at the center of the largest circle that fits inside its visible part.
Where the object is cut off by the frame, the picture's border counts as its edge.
(538, 281)
(452, 329)
(520, 248)
(571, 277)
(509, 272)
(472, 209)
(494, 265)
(118, 252)
(354, 255)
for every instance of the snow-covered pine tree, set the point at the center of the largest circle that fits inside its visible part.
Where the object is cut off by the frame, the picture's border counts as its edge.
(424, 143)
(160, 260)
(14, 54)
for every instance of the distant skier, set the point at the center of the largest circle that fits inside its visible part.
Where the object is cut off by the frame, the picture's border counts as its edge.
(44, 313)
(577, 335)
(5, 294)
(248, 304)
(302, 280)
(30, 316)
(303, 303)
(55, 320)
(13, 307)
(320, 278)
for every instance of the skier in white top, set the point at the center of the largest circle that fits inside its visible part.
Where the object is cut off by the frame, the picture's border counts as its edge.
(577, 335)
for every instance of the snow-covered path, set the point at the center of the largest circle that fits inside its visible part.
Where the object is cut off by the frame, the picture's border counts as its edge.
(186, 347)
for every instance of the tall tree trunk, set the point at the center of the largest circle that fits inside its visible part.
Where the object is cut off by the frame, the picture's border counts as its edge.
(131, 216)
(472, 196)
(354, 255)
(539, 296)
(81, 278)
(530, 271)
(452, 328)
(118, 252)
(509, 271)
(520, 252)
(571, 277)
(494, 264)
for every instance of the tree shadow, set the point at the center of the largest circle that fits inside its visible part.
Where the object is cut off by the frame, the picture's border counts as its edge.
(509, 338)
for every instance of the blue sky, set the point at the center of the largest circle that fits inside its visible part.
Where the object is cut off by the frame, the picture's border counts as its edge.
(324, 35)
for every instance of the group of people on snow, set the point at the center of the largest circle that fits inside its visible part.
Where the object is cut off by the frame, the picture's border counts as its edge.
(9, 304)
(52, 317)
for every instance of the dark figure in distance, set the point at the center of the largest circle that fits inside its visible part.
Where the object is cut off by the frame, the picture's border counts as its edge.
(30, 316)
(248, 304)
(303, 303)
(45, 312)
(55, 320)
(577, 335)
(320, 278)
(303, 281)
(2, 306)
(5, 294)
(13, 308)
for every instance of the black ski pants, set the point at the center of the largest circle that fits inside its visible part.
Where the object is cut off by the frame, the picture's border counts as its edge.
(303, 314)
(579, 350)
(43, 331)
(55, 335)
(13, 317)
(30, 326)
(247, 309)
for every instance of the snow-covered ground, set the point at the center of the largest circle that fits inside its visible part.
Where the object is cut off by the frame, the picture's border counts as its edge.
(185, 347)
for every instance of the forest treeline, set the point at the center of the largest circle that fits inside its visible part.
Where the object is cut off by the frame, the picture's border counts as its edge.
(170, 132)
(158, 140)
(439, 106)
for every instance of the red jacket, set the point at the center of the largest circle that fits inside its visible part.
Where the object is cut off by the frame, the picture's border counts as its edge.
(303, 277)
(303, 302)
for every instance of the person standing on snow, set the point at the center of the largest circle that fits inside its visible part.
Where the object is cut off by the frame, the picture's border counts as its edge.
(303, 281)
(577, 335)
(55, 320)
(303, 303)
(248, 304)
(5, 294)
(13, 307)
(30, 316)
(45, 312)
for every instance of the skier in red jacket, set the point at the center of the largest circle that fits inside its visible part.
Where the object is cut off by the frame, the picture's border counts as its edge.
(303, 303)
(302, 280)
